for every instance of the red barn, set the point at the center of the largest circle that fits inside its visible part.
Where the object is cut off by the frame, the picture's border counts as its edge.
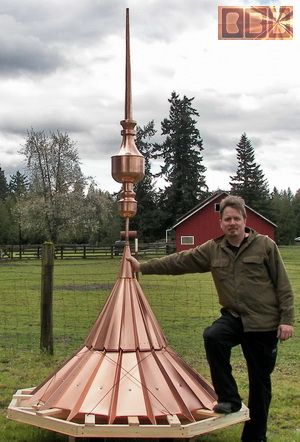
(202, 223)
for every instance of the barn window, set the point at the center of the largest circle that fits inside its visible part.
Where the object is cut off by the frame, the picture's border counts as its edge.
(217, 207)
(187, 240)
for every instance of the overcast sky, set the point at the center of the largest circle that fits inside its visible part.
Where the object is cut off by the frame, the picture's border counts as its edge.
(62, 67)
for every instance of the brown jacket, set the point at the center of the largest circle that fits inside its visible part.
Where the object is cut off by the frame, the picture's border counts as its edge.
(253, 283)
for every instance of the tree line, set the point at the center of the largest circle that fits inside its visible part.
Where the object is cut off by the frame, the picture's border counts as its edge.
(53, 200)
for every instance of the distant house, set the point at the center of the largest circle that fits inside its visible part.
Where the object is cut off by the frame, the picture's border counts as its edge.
(202, 223)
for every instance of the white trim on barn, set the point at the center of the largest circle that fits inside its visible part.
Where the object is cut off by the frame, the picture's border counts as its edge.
(195, 210)
(208, 201)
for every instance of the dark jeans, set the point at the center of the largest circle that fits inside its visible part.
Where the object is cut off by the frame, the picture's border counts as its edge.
(260, 351)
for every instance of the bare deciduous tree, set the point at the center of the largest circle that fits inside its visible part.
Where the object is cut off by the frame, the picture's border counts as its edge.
(56, 180)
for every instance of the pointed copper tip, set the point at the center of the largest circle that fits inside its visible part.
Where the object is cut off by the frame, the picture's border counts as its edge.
(128, 95)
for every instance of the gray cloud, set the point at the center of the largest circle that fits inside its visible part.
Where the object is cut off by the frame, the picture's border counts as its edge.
(87, 21)
(59, 70)
(165, 20)
(20, 56)
(62, 21)
(21, 52)
(49, 121)
(35, 37)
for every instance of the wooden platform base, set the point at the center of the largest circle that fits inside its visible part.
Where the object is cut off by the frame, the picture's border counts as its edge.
(54, 419)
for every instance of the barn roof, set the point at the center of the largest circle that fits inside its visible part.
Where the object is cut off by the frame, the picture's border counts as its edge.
(209, 200)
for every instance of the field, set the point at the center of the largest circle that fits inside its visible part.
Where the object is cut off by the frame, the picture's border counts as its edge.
(184, 306)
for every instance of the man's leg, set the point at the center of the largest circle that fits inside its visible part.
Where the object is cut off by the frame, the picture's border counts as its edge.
(219, 339)
(260, 351)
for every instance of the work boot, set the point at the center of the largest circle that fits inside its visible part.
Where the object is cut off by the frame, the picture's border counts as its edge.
(226, 407)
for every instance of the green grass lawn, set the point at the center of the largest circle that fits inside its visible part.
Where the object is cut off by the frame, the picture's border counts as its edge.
(184, 306)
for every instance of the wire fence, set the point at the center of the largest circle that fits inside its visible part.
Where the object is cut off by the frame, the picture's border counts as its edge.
(183, 305)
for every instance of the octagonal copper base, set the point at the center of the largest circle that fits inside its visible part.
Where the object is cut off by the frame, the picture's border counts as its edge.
(131, 427)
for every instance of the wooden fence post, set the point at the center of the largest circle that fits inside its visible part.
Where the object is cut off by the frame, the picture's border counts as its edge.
(46, 341)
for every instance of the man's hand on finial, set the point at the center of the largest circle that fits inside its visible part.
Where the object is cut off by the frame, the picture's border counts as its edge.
(135, 265)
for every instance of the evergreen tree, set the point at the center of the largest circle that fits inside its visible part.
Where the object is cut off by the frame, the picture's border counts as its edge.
(7, 224)
(296, 205)
(182, 167)
(283, 214)
(18, 185)
(147, 219)
(249, 181)
(18, 188)
(3, 185)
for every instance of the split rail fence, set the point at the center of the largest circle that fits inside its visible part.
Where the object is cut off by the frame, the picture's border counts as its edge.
(81, 251)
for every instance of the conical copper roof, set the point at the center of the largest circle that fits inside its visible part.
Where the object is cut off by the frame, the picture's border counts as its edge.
(125, 367)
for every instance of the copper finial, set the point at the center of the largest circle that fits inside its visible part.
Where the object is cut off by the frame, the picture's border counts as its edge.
(128, 166)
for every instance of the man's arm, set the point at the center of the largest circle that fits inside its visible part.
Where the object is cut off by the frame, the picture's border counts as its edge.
(190, 261)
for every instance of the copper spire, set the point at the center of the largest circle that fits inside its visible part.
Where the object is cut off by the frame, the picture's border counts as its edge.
(125, 376)
(128, 94)
(128, 166)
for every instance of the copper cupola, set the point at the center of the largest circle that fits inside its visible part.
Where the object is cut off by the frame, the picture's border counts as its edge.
(125, 380)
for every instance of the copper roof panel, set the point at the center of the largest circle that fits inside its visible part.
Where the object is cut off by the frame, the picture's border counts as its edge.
(126, 321)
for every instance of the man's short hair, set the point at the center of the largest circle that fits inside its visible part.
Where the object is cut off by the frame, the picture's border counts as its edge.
(234, 201)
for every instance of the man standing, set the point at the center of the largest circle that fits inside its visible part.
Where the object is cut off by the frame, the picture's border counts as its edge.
(257, 309)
